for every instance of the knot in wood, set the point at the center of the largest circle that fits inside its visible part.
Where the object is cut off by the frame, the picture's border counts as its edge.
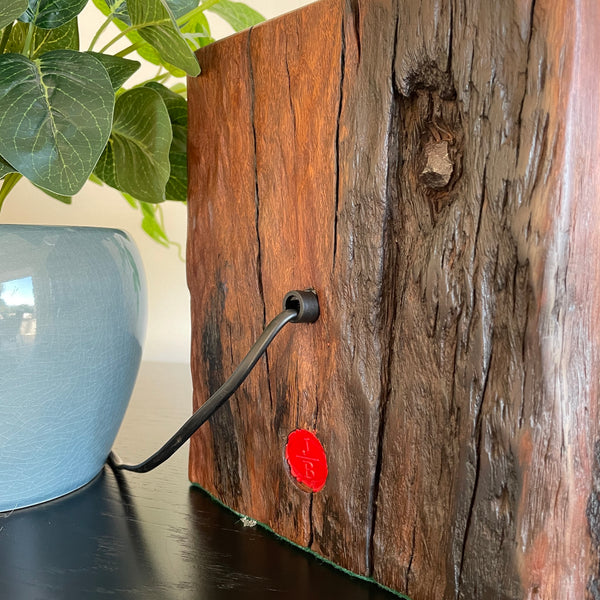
(438, 167)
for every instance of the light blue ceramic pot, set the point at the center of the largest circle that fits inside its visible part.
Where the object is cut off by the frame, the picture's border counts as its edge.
(72, 323)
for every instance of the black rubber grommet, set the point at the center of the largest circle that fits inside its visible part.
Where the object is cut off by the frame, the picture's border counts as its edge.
(305, 302)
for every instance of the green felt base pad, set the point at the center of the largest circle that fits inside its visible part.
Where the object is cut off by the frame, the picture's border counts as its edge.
(303, 548)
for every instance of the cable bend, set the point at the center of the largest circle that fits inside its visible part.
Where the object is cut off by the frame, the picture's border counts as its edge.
(299, 307)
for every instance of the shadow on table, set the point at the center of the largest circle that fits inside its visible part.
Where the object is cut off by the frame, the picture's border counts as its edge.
(103, 541)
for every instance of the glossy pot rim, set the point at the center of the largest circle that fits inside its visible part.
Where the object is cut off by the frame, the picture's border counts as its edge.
(61, 228)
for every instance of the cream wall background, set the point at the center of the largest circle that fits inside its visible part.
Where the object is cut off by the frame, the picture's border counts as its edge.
(168, 336)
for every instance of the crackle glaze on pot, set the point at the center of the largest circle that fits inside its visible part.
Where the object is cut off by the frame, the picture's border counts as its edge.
(72, 323)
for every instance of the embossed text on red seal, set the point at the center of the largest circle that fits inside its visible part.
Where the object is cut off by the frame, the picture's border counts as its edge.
(307, 460)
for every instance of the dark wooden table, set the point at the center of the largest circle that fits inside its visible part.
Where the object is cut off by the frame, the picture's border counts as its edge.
(153, 535)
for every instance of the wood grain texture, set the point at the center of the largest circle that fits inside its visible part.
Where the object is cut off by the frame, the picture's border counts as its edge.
(429, 168)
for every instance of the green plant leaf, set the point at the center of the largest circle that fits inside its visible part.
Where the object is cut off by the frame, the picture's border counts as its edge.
(237, 14)
(63, 199)
(5, 168)
(147, 52)
(136, 158)
(11, 10)
(16, 40)
(175, 104)
(177, 185)
(119, 69)
(151, 225)
(130, 200)
(49, 14)
(197, 30)
(123, 22)
(119, 8)
(160, 31)
(176, 188)
(179, 88)
(65, 37)
(95, 180)
(8, 183)
(55, 117)
(181, 7)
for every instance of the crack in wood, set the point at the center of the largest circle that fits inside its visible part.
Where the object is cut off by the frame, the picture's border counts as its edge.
(450, 38)
(477, 460)
(480, 215)
(256, 185)
(259, 273)
(593, 517)
(337, 140)
(389, 307)
(311, 529)
(519, 120)
(355, 8)
(410, 559)
(289, 94)
(227, 466)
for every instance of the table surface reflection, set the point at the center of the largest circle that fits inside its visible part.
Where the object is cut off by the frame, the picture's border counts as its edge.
(154, 535)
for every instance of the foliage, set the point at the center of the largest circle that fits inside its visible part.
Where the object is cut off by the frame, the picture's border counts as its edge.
(65, 116)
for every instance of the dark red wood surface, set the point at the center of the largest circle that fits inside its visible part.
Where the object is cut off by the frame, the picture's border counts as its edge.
(429, 168)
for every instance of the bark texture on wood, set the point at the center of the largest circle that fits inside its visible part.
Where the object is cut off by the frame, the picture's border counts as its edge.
(429, 168)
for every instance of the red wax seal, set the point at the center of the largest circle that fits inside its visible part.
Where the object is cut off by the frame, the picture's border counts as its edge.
(306, 458)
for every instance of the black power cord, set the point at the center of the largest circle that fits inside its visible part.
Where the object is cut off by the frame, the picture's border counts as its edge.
(298, 307)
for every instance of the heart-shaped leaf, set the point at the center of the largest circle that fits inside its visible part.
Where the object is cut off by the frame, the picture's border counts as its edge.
(176, 188)
(237, 14)
(11, 10)
(157, 27)
(119, 69)
(55, 117)
(136, 158)
(49, 14)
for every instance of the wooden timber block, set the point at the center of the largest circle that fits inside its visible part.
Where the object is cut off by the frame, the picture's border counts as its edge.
(430, 168)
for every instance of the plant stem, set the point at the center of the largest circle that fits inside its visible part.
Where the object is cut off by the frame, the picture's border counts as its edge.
(5, 37)
(118, 37)
(7, 185)
(179, 250)
(170, 242)
(104, 25)
(159, 78)
(130, 49)
(199, 9)
(28, 41)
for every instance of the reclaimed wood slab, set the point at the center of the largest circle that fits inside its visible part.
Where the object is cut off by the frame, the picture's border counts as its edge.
(430, 168)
